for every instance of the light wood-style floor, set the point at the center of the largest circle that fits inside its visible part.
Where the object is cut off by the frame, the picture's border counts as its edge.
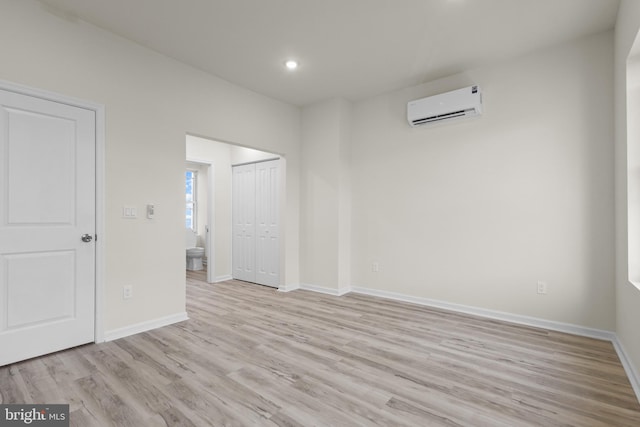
(250, 355)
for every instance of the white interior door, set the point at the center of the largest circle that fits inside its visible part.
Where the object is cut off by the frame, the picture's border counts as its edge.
(256, 236)
(244, 226)
(47, 203)
(267, 230)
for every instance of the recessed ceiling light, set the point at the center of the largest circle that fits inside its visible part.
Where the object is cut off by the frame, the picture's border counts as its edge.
(291, 64)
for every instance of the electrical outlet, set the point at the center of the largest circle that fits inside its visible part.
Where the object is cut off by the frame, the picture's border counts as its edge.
(375, 267)
(542, 288)
(127, 292)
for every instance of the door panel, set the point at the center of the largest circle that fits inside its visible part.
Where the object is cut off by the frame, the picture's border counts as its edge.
(267, 232)
(54, 200)
(32, 300)
(255, 223)
(47, 194)
(243, 213)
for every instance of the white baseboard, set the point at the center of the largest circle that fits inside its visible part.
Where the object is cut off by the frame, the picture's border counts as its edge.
(631, 371)
(145, 326)
(288, 288)
(323, 290)
(222, 278)
(492, 314)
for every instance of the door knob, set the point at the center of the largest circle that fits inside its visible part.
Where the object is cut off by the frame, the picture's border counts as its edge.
(87, 238)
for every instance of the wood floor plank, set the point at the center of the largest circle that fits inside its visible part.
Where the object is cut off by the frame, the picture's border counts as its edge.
(106, 405)
(12, 386)
(253, 356)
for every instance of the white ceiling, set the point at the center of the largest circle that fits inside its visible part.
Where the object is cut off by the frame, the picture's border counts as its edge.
(346, 48)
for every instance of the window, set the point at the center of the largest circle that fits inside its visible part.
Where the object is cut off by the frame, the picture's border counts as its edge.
(191, 191)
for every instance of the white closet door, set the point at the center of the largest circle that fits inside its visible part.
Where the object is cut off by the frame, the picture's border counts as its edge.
(267, 230)
(256, 235)
(244, 226)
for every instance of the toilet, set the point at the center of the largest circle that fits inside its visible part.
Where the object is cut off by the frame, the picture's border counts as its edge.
(194, 254)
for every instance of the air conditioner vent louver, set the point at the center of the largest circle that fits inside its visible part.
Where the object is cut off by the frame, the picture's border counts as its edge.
(457, 104)
(439, 117)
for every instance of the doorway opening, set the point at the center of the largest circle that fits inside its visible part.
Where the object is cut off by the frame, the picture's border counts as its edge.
(213, 162)
(196, 211)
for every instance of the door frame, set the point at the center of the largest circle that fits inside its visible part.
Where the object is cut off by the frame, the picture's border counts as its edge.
(99, 110)
(211, 217)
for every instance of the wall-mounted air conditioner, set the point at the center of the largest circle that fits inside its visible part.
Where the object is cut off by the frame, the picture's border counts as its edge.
(457, 104)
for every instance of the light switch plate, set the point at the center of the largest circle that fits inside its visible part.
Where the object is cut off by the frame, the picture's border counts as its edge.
(130, 212)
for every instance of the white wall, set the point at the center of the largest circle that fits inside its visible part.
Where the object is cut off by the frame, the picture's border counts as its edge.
(325, 197)
(477, 212)
(627, 295)
(151, 103)
(633, 166)
(241, 155)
